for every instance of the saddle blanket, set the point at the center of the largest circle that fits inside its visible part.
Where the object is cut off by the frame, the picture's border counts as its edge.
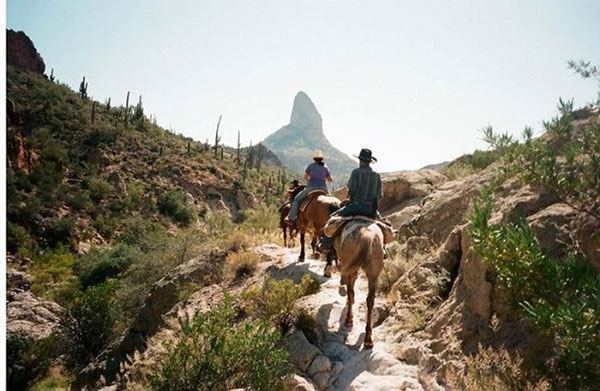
(335, 223)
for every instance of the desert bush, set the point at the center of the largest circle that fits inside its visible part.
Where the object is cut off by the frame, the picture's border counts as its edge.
(495, 370)
(99, 189)
(560, 297)
(51, 270)
(564, 164)
(174, 204)
(87, 325)
(99, 264)
(54, 382)
(27, 359)
(308, 325)
(240, 264)
(59, 232)
(276, 300)
(457, 170)
(216, 353)
(17, 237)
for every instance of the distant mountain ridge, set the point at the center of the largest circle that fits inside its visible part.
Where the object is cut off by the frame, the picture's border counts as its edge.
(296, 142)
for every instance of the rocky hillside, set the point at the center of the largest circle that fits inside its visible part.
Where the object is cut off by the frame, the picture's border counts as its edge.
(295, 143)
(97, 190)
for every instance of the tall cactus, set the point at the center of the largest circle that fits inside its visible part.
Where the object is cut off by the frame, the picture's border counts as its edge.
(93, 111)
(189, 146)
(52, 75)
(83, 89)
(217, 137)
(127, 109)
(108, 105)
(259, 157)
(238, 152)
(138, 114)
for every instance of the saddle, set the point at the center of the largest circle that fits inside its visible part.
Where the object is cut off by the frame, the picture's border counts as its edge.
(336, 223)
(313, 195)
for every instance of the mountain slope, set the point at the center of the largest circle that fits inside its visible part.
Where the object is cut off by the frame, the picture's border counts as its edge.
(295, 143)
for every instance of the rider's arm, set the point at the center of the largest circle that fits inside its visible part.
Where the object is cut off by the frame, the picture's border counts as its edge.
(329, 178)
(352, 185)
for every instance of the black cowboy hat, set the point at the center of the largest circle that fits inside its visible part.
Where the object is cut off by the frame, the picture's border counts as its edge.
(294, 182)
(365, 155)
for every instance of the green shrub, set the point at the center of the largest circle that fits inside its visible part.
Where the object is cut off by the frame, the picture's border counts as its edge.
(27, 359)
(216, 353)
(97, 265)
(99, 189)
(174, 204)
(87, 325)
(59, 232)
(276, 301)
(51, 271)
(562, 163)
(560, 297)
(17, 236)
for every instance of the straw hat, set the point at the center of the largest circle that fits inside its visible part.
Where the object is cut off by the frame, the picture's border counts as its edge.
(318, 154)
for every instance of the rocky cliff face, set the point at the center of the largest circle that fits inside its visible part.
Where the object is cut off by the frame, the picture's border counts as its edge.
(21, 53)
(295, 143)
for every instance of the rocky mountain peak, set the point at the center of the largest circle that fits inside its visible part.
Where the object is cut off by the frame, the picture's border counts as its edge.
(304, 113)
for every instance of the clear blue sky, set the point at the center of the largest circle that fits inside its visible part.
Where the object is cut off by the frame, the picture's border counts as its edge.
(413, 80)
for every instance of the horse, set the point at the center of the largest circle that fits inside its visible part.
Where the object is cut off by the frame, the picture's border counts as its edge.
(313, 215)
(360, 245)
(285, 228)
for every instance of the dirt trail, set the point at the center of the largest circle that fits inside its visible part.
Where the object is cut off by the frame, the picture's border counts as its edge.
(354, 368)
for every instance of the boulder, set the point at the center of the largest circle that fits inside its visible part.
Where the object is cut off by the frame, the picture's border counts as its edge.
(301, 352)
(30, 315)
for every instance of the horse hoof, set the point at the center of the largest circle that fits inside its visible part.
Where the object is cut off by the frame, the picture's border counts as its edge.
(348, 323)
(300, 259)
(368, 344)
(342, 290)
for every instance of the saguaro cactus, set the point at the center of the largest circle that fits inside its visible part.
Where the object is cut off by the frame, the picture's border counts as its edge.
(217, 137)
(52, 75)
(189, 146)
(108, 105)
(259, 157)
(93, 111)
(127, 109)
(139, 110)
(238, 152)
(83, 89)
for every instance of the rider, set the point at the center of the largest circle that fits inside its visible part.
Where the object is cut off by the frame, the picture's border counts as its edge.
(364, 192)
(293, 190)
(317, 174)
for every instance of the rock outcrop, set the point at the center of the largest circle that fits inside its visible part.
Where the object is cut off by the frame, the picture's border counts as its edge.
(27, 314)
(21, 53)
(295, 143)
(19, 155)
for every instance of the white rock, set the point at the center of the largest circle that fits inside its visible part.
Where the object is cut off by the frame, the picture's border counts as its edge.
(301, 352)
(319, 364)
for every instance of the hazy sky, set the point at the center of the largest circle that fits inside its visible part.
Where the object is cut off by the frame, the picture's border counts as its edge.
(413, 80)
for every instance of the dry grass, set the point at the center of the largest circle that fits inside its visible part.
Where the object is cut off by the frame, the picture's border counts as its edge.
(457, 170)
(240, 264)
(495, 370)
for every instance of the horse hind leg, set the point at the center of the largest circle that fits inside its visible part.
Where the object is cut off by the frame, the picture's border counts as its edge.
(370, 305)
(313, 245)
(350, 280)
(302, 253)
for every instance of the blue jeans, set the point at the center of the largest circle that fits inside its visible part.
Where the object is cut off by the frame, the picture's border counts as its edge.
(293, 214)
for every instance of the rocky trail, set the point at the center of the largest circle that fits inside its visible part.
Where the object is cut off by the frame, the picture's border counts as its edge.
(342, 363)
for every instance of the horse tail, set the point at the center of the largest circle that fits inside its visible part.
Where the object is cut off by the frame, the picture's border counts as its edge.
(359, 258)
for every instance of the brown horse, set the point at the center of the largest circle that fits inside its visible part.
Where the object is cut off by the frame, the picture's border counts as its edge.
(313, 215)
(360, 246)
(285, 228)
